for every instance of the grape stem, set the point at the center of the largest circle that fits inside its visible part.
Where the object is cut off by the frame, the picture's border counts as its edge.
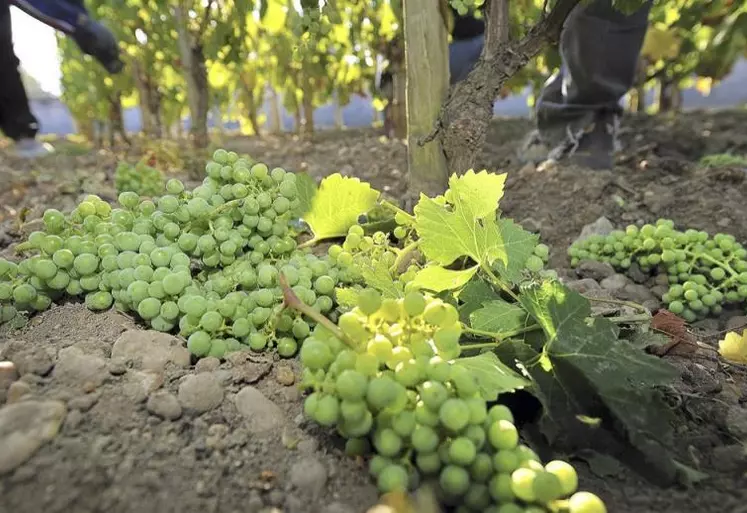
(500, 337)
(394, 208)
(621, 302)
(402, 254)
(498, 282)
(705, 256)
(309, 243)
(291, 300)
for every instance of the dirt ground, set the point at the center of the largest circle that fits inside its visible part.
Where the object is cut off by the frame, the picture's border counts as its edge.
(109, 417)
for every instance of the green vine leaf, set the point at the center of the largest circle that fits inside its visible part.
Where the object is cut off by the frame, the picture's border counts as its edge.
(467, 225)
(493, 376)
(473, 296)
(307, 189)
(337, 204)
(346, 297)
(596, 374)
(437, 279)
(499, 317)
(377, 275)
(519, 245)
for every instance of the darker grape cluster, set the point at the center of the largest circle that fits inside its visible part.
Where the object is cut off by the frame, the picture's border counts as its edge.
(705, 273)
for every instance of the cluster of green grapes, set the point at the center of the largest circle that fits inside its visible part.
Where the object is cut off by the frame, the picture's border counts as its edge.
(140, 178)
(396, 390)
(463, 7)
(704, 272)
(359, 251)
(206, 261)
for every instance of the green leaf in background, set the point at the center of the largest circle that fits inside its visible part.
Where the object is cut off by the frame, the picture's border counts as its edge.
(499, 317)
(519, 245)
(306, 191)
(337, 204)
(437, 279)
(468, 228)
(493, 376)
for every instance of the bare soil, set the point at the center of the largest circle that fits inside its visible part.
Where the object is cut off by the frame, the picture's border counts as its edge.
(102, 415)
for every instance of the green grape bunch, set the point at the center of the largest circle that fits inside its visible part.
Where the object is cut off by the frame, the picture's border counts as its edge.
(397, 393)
(203, 262)
(464, 7)
(140, 179)
(705, 273)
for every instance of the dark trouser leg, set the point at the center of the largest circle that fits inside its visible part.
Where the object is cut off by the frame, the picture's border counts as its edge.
(600, 48)
(16, 120)
(463, 55)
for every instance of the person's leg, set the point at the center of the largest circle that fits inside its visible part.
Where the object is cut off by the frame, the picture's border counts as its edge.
(72, 18)
(578, 109)
(463, 55)
(16, 120)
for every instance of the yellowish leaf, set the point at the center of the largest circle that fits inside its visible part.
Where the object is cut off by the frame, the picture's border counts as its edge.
(733, 347)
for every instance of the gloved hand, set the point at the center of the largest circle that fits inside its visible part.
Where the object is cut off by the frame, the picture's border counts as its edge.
(96, 40)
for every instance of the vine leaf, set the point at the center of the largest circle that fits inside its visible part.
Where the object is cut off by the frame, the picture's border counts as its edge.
(499, 317)
(377, 275)
(493, 376)
(473, 296)
(306, 191)
(347, 297)
(519, 245)
(337, 204)
(437, 279)
(602, 376)
(467, 226)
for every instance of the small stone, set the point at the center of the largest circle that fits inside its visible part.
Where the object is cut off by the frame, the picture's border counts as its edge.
(308, 476)
(531, 225)
(140, 384)
(8, 374)
(251, 372)
(200, 392)
(254, 504)
(164, 404)
(736, 422)
(208, 364)
(152, 350)
(76, 367)
(217, 437)
(651, 305)
(737, 323)
(295, 504)
(659, 290)
(73, 419)
(308, 446)
(17, 390)
(261, 414)
(84, 402)
(33, 361)
(337, 507)
(117, 366)
(583, 285)
(662, 279)
(615, 282)
(635, 292)
(601, 226)
(284, 375)
(729, 458)
(594, 270)
(26, 426)
(710, 325)
(635, 273)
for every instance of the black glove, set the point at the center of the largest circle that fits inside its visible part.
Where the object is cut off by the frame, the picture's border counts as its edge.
(97, 41)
